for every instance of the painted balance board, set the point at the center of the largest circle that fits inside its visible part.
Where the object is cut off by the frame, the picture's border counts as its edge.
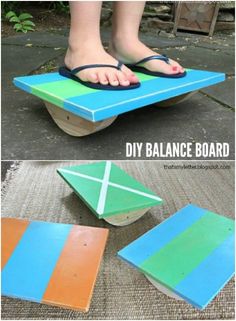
(190, 255)
(110, 192)
(79, 110)
(51, 263)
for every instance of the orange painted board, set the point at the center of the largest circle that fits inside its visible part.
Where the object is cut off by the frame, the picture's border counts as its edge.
(51, 263)
(11, 232)
(77, 269)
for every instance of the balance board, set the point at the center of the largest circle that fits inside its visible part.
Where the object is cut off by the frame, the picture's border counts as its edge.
(110, 192)
(80, 111)
(190, 255)
(51, 263)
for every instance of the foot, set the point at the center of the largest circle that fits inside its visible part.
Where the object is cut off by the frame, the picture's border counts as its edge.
(79, 57)
(131, 51)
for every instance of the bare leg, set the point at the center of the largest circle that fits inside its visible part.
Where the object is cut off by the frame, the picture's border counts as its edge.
(85, 47)
(125, 44)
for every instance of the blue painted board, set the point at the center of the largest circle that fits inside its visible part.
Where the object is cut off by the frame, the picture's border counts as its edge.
(97, 105)
(191, 253)
(30, 279)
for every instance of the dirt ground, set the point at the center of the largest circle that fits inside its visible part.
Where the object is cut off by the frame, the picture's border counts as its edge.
(43, 17)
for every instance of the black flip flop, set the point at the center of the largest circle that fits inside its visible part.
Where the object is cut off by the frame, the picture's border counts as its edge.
(71, 74)
(144, 70)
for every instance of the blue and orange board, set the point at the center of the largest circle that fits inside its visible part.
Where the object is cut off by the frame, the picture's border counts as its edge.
(51, 263)
(96, 105)
(191, 253)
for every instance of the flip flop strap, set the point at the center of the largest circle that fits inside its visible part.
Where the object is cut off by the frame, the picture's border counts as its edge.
(157, 57)
(75, 70)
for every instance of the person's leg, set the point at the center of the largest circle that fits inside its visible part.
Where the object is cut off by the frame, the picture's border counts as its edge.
(125, 44)
(85, 47)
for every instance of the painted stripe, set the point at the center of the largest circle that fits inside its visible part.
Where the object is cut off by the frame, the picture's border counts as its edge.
(39, 79)
(11, 232)
(210, 276)
(128, 189)
(73, 279)
(103, 193)
(145, 246)
(113, 98)
(112, 184)
(172, 263)
(64, 89)
(67, 171)
(27, 82)
(35, 257)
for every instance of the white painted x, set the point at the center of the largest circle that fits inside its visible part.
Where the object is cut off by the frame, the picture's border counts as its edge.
(105, 183)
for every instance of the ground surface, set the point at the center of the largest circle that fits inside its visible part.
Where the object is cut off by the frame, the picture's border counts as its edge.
(26, 124)
(33, 190)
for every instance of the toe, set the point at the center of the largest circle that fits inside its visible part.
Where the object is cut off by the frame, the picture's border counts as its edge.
(112, 78)
(130, 75)
(177, 66)
(103, 78)
(132, 78)
(123, 80)
(82, 75)
(93, 77)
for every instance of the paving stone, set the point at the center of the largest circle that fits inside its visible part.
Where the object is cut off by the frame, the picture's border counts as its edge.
(203, 58)
(17, 60)
(43, 39)
(223, 92)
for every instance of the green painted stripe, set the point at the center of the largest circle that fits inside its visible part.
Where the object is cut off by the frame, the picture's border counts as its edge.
(57, 91)
(143, 77)
(92, 169)
(89, 192)
(116, 197)
(179, 257)
(48, 97)
(63, 89)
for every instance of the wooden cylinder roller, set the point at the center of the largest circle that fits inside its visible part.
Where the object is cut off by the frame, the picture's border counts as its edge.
(163, 289)
(125, 218)
(175, 100)
(75, 125)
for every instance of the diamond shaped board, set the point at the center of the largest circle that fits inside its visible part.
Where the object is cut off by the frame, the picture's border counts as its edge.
(107, 189)
(96, 105)
(51, 263)
(191, 253)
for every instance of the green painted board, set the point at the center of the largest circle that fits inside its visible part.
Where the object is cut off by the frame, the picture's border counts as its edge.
(107, 189)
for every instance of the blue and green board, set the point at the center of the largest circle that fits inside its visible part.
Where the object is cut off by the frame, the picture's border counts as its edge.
(107, 189)
(96, 105)
(191, 253)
